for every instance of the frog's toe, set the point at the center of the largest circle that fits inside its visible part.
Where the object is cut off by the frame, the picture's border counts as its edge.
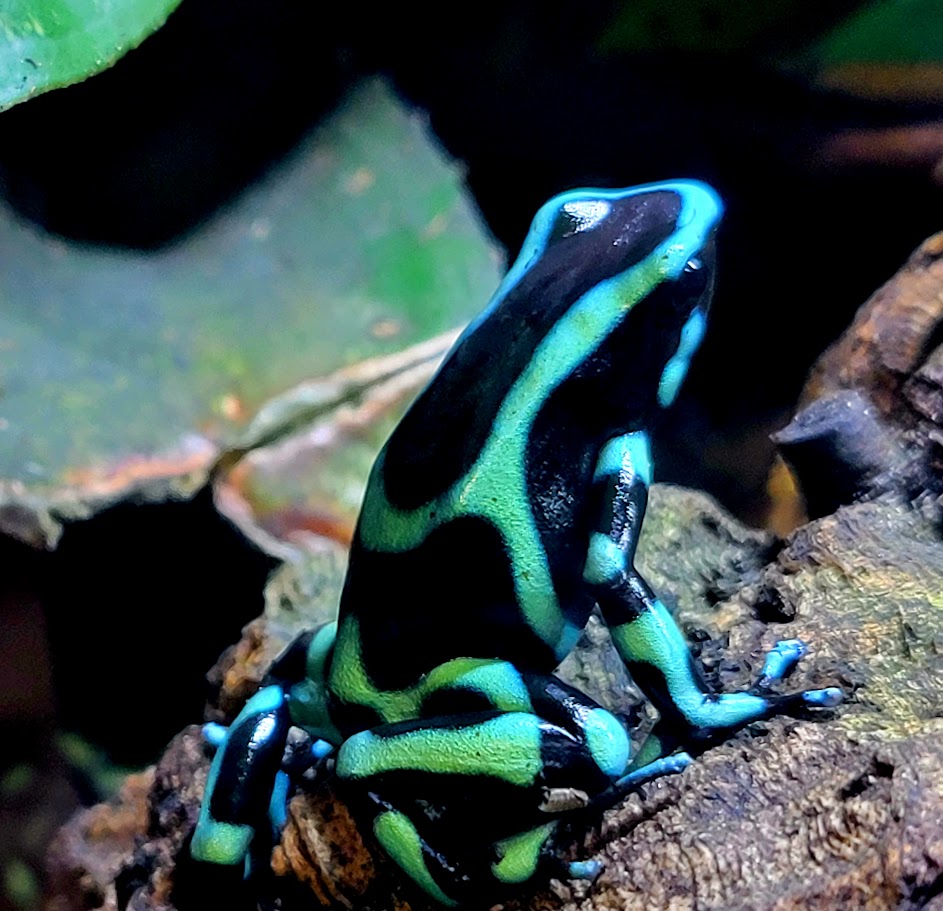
(278, 803)
(798, 704)
(214, 734)
(828, 697)
(665, 765)
(779, 663)
(780, 660)
(585, 869)
(320, 749)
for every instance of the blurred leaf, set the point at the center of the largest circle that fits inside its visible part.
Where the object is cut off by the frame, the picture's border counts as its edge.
(719, 26)
(20, 885)
(128, 373)
(47, 44)
(889, 49)
(311, 482)
(93, 764)
(889, 31)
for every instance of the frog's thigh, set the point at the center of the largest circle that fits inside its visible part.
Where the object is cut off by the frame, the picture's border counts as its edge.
(463, 686)
(516, 750)
(514, 764)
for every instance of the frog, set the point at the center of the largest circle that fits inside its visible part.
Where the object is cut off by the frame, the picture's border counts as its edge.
(503, 510)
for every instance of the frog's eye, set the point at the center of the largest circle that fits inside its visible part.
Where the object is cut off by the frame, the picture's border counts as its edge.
(694, 277)
(580, 215)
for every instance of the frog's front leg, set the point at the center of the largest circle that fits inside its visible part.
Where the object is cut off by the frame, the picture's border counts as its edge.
(644, 632)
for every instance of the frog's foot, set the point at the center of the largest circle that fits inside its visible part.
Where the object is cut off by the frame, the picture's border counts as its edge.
(446, 790)
(657, 768)
(779, 663)
(637, 776)
(796, 703)
(455, 871)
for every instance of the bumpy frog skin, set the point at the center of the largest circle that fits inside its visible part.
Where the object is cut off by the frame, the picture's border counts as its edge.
(506, 504)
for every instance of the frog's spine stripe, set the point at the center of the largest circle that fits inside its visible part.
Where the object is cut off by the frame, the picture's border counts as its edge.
(402, 842)
(241, 779)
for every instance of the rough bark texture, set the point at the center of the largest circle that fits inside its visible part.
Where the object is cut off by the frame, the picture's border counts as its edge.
(840, 810)
(872, 411)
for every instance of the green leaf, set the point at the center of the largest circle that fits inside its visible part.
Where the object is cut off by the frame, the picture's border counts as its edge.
(890, 31)
(46, 44)
(129, 373)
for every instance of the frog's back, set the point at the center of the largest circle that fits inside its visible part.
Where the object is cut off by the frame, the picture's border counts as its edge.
(473, 534)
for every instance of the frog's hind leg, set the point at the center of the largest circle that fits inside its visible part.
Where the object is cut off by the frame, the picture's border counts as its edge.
(454, 871)
(469, 803)
(644, 632)
(242, 779)
(247, 785)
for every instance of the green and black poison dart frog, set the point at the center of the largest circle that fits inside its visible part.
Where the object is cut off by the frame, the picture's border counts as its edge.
(506, 504)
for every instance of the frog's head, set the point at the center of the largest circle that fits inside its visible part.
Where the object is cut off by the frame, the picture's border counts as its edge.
(626, 276)
(675, 309)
